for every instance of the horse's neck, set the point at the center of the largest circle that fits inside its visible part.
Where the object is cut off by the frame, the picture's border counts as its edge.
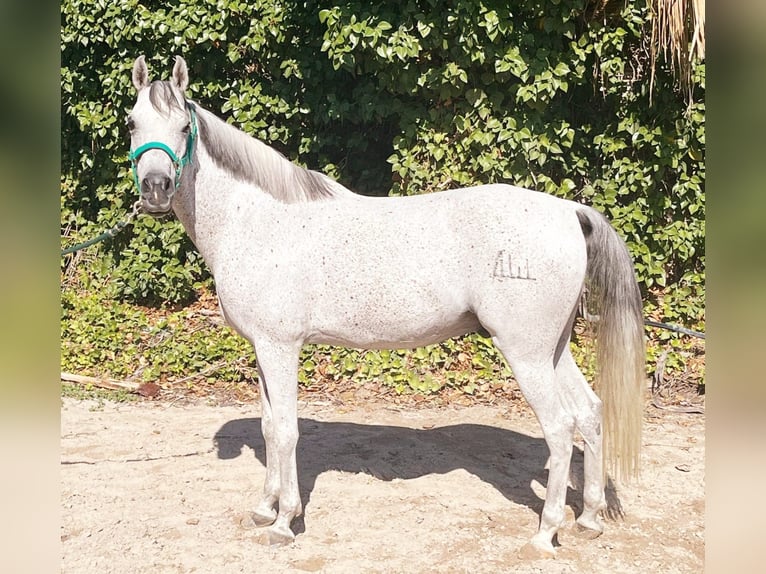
(210, 192)
(204, 204)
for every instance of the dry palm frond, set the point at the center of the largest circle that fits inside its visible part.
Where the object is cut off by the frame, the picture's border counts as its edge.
(678, 33)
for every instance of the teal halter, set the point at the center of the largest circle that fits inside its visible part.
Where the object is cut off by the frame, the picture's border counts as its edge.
(178, 163)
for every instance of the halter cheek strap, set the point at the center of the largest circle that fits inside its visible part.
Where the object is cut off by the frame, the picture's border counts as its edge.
(178, 163)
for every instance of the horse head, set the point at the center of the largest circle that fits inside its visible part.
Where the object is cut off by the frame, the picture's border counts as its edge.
(163, 131)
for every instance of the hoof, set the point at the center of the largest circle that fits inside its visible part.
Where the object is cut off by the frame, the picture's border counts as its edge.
(276, 537)
(263, 519)
(589, 530)
(246, 521)
(537, 551)
(250, 520)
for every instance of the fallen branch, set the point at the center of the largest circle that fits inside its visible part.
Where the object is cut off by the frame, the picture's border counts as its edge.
(692, 409)
(112, 384)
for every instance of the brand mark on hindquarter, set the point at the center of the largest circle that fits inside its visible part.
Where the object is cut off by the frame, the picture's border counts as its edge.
(509, 267)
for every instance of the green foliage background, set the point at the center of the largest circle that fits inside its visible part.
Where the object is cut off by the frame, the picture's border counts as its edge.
(390, 98)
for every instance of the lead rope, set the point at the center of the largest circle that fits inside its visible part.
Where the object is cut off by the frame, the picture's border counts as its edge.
(108, 234)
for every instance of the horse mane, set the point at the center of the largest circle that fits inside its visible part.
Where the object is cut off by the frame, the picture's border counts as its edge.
(249, 159)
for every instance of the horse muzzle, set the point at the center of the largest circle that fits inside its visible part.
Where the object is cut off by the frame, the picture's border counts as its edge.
(157, 192)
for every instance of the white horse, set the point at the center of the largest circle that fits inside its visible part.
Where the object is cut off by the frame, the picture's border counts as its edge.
(297, 258)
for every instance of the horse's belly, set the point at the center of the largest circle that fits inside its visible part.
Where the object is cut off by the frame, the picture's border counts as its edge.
(396, 331)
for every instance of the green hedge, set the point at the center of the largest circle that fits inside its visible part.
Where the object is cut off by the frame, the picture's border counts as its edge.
(396, 98)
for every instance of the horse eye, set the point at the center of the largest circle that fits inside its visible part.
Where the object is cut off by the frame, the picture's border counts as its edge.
(130, 123)
(187, 128)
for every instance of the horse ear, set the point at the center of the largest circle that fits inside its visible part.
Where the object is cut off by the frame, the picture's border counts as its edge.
(180, 74)
(140, 73)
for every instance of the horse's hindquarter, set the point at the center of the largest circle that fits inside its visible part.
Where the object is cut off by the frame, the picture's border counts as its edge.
(397, 272)
(533, 271)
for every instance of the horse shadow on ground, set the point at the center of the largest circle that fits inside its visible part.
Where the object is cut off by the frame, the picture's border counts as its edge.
(508, 460)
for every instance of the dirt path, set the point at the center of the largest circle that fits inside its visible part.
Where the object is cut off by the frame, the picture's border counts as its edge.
(160, 488)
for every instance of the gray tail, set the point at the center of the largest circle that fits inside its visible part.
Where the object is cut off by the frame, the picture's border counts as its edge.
(621, 354)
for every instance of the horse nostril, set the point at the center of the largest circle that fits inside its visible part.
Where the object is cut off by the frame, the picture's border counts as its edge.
(164, 183)
(156, 183)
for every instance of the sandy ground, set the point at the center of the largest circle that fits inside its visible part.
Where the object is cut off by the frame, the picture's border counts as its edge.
(153, 487)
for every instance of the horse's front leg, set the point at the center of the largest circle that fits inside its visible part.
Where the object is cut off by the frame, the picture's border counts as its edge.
(278, 370)
(265, 513)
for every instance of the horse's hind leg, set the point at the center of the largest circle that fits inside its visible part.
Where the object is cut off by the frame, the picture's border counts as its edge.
(586, 408)
(537, 381)
(278, 370)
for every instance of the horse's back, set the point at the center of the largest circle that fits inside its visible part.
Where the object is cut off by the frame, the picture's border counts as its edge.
(457, 235)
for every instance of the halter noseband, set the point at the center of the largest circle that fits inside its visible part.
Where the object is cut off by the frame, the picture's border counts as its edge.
(178, 163)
